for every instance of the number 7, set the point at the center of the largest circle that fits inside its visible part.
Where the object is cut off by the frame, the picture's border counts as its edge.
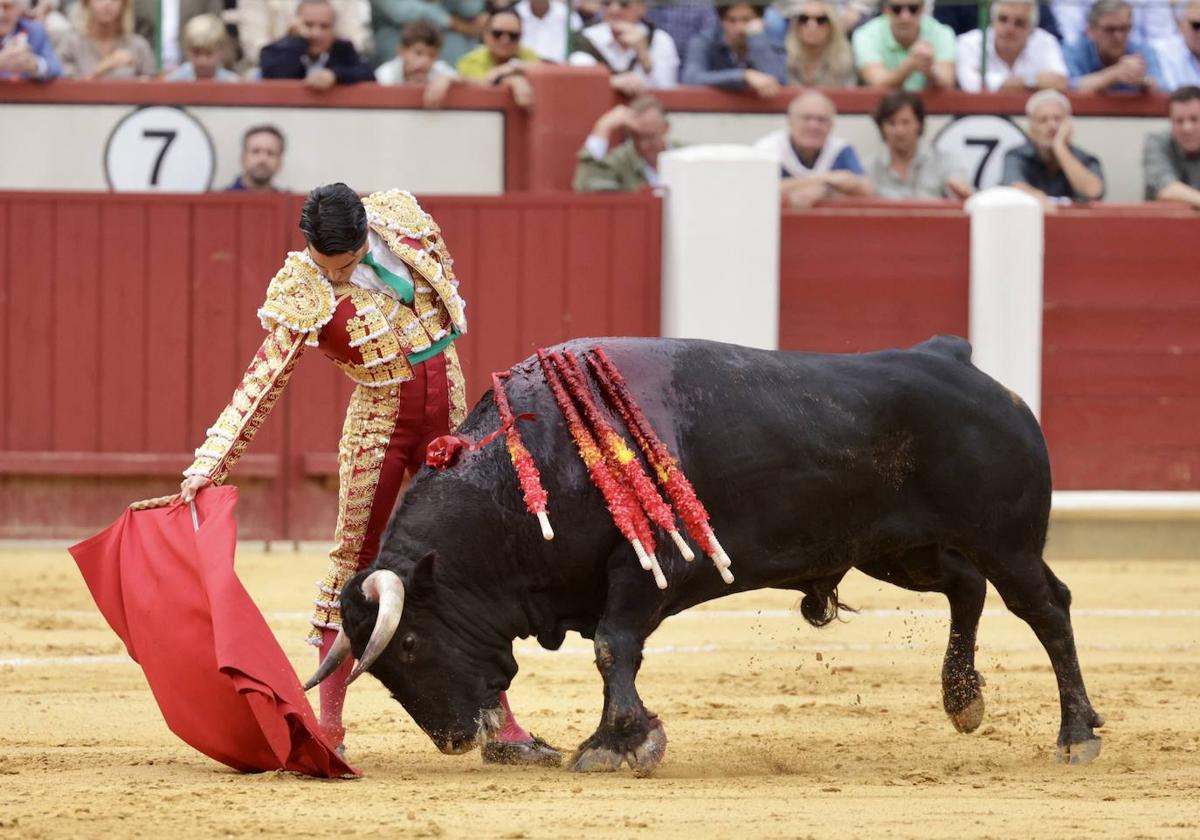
(169, 136)
(989, 143)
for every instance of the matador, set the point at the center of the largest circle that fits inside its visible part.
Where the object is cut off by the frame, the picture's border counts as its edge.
(375, 291)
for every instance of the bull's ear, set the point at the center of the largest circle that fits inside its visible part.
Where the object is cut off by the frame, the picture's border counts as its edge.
(422, 575)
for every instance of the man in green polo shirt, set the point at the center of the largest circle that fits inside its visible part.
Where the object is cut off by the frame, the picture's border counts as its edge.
(905, 48)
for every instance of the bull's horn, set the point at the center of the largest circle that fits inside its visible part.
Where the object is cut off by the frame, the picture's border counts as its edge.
(332, 661)
(384, 587)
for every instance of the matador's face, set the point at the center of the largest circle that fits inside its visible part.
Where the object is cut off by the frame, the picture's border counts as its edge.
(337, 268)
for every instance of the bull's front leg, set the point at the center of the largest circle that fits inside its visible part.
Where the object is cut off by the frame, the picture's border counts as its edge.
(628, 732)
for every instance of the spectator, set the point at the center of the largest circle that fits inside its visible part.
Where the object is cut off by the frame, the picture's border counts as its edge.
(262, 158)
(738, 56)
(683, 20)
(418, 63)
(205, 46)
(105, 46)
(818, 52)
(25, 51)
(548, 25)
(316, 55)
(1171, 159)
(461, 23)
(1048, 167)
(1179, 57)
(963, 17)
(260, 22)
(162, 24)
(814, 164)
(638, 54)
(905, 167)
(1019, 55)
(621, 153)
(46, 12)
(1152, 19)
(501, 59)
(905, 48)
(1108, 59)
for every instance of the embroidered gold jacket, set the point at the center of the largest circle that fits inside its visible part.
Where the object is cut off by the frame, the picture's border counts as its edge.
(368, 334)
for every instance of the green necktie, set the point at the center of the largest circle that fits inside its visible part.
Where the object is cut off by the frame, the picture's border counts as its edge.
(402, 287)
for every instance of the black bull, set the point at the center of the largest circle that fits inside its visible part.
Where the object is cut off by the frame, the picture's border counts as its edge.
(909, 465)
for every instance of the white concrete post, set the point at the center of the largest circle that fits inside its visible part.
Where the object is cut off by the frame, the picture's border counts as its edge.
(1007, 246)
(720, 273)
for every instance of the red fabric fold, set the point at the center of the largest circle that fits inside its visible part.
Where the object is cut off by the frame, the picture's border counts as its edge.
(221, 680)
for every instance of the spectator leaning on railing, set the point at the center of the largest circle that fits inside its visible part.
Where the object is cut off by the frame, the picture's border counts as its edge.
(262, 158)
(316, 55)
(418, 63)
(905, 48)
(638, 54)
(1171, 159)
(205, 46)
(1108, 59)
(1048, 167)
(814, 164)
(818, 52)
(1178, 54)
(738, 56)
(25, 51)
(1019, 54)
(461, 23)
(261, 22)
(621, 152)
(906, 168)
(105, 46)
(1152, 19)
(501, 59)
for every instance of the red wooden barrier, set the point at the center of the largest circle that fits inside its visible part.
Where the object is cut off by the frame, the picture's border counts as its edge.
(127, 320)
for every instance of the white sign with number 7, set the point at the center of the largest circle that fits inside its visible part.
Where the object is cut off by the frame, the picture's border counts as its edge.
(159, 149)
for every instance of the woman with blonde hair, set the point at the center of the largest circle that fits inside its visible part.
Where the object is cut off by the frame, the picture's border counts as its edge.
(818, 52)
(104, 45)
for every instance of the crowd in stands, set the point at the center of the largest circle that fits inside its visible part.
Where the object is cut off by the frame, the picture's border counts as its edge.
(903, 47)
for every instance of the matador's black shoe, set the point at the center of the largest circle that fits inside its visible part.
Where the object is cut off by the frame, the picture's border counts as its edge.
(535, 753)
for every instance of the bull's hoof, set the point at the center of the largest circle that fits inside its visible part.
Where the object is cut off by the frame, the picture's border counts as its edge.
(595, 760)
(592, 757)
(536, 753)
(1084, 752)
(969, 717)
(646, 757)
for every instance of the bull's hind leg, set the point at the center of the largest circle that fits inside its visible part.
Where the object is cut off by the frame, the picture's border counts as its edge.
(1032, 592)
(628, 732)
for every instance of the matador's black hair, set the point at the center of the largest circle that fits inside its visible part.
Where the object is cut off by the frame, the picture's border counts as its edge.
(334, 220)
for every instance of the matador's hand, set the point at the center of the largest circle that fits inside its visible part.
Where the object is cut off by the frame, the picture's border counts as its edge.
(192, 485)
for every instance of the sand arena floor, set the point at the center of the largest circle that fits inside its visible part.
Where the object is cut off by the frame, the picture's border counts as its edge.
(776, 729)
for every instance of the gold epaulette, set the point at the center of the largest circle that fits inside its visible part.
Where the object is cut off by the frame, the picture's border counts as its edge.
(298, 298)
(399, 212)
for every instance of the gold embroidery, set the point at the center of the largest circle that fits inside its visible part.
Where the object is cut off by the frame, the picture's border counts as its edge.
(370, 419)
(298, 298)
(457, 384)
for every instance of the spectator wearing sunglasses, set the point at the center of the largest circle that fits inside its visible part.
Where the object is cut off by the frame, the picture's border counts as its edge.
(1048, 167)
(1019, 54)
(813, 163)
(818, 52)
(1179, 57)
(906, 168)
(905, 48)
(638, 54)
(1108, 59)
(501, 59)
(1171, 159)
(737, 57)
(621, 152)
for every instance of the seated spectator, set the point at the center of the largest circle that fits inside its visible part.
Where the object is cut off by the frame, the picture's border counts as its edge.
(105, 46)
(25, 51)
(818, 52)
(621, 152)
(205, 46)
(162, 24)
(683, 20)
(1171, 159)
(261, 22)
(461, 23)
(814, 165)
(1108, 59)
(905, 167)
(1019, 55)
(1152, 19)
(418, 63)
(262, 158)
(905, 48)
(638, 54)
(1048, 167)
(738, 56)
(501, 59)
(316, 55)
(964, 17)
(1179, 53)
(548, 25)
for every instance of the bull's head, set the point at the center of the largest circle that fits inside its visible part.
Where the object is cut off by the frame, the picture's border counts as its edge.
(431, 660)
